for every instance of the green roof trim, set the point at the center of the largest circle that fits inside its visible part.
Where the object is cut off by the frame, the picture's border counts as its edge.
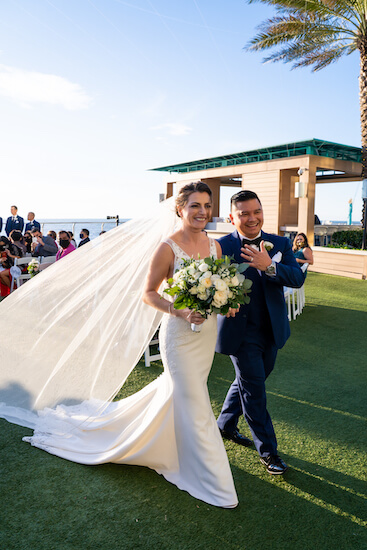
(316, 147)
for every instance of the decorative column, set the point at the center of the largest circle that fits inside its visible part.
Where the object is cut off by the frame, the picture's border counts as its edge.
(306, 202)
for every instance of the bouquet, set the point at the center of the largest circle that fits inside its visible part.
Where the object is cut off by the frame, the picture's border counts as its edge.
(209, 286)
(33, 267)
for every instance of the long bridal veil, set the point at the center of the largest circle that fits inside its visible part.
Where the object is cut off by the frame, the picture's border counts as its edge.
(75, 331)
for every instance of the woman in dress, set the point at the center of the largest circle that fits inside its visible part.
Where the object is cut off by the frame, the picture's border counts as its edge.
(203, 468)
(87, 339)
(301, 250)
(9, 250)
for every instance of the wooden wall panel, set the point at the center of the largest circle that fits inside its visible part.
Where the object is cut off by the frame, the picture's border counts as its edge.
(266, 185)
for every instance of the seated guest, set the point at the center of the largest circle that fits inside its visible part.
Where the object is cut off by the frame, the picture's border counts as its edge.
(42, 245)
(28, 241)
(301, 250)
(32, 223)
(66, 245)
(72, 240)
(14, 221)
(8, 251)
(17, 238)
(53, 236)
(84, 235)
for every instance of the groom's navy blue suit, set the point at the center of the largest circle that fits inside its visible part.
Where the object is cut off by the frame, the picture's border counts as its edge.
(253, 337)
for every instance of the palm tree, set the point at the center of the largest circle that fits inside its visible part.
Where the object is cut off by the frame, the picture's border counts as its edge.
(317, 33)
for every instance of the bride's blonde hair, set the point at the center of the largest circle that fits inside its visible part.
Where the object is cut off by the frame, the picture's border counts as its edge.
(188, 189)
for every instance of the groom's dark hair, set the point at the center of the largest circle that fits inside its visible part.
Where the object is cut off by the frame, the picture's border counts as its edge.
(243, 195)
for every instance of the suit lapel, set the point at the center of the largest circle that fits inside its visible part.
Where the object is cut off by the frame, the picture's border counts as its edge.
(237, 247)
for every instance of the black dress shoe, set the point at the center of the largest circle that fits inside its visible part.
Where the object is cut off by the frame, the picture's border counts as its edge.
(237, 438)
(274, 464)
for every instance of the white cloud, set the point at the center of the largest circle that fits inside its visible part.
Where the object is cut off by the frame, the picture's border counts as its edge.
(26, 87)
(174, 129)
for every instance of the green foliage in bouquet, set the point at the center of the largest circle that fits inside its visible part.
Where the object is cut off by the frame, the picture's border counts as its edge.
(210, 285)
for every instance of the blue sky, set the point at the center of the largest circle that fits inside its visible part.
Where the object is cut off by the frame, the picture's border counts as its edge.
(94, 93)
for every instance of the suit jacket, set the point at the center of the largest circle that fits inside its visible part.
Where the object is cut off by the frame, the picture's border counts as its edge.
(1, 225)
(84, 241)
(33, 224)
(231, 330)
(49, 248)
(11, 224)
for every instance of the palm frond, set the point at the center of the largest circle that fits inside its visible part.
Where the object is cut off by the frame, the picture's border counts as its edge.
(307, 38)
(352, 12)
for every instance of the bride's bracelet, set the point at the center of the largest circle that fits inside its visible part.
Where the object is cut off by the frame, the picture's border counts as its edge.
(169, 308)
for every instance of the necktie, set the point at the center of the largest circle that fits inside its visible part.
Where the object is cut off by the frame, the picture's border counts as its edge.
(255, 242)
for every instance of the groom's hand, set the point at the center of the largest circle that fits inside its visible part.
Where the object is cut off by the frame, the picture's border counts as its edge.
(232, 312)
(259, 259)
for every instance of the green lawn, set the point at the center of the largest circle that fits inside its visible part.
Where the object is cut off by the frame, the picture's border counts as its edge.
(317, 399)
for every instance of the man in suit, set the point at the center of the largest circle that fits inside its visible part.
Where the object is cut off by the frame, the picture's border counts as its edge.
(253, 337)
(84, 235)
(14, 221)
(32, 223)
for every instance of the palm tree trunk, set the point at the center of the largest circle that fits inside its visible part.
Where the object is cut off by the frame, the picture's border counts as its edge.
(363, 109)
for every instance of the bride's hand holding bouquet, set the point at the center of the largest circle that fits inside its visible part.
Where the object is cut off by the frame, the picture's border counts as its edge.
(209, 286)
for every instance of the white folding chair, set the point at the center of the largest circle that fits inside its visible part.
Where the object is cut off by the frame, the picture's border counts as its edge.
(147, 355)
(287, 297)
(23, 276)
(46, 261)
(302, 297)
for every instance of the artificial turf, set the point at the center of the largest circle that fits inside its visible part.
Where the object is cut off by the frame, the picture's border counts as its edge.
(317, 399)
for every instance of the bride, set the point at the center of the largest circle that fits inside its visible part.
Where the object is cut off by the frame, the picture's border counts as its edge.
(169, 425)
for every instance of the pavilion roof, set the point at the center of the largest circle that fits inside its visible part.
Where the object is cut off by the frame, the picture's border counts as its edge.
(314, 146)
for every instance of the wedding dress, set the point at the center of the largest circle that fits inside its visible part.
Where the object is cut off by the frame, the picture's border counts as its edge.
(168, 426)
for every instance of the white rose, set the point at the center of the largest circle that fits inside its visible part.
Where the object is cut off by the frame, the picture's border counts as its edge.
(193, 290)
(201, 289)
(207, 281)
(268, 245)
(220, 297)
(220, 285)
(235, 281)
(202, 296)
(214, 277)
(203, 267)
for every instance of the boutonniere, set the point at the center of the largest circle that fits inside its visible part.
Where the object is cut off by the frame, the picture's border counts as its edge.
(268, 246)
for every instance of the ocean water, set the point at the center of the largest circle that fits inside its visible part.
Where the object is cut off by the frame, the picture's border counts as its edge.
(94, 225)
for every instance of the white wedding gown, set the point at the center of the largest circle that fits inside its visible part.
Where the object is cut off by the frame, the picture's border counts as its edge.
(168, 426)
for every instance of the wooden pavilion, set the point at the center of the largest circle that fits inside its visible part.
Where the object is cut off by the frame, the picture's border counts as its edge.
(284, 177)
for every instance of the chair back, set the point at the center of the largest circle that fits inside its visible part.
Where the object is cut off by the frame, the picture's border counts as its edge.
(24, 276)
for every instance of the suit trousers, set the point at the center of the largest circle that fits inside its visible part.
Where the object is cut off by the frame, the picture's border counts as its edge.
(253, 363)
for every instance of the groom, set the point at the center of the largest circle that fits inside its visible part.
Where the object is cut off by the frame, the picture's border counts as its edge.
(252, 338)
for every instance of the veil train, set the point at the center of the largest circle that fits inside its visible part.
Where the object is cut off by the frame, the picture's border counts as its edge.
(75, 331)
